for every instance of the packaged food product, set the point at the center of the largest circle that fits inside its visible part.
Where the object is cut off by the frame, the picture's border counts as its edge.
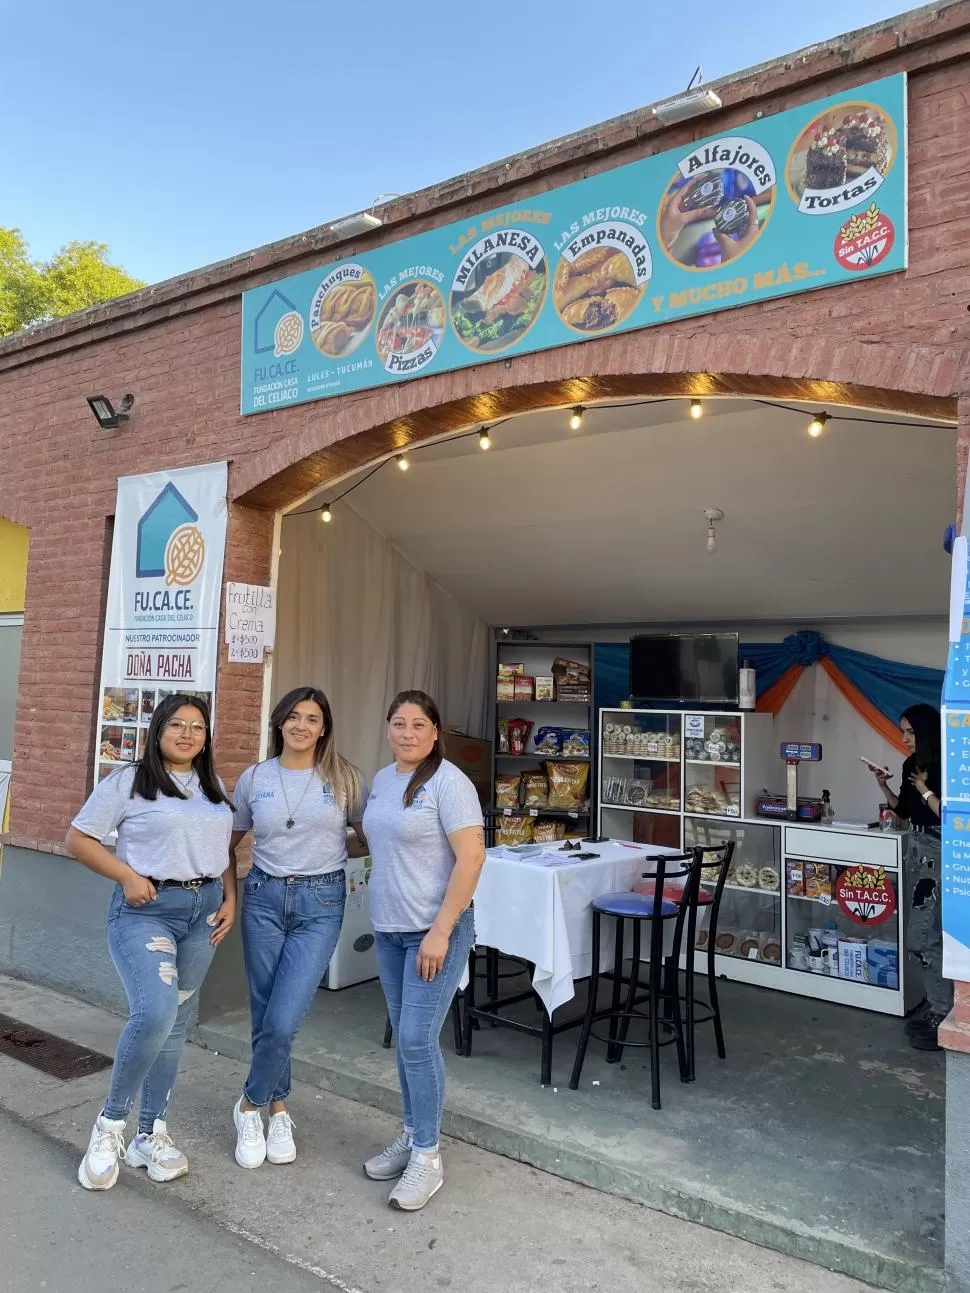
(613, 790)
(770, 949)
(507, 790)
(747, 875)
(510, 670)
(548, 740)
(798, 953)
(575, 744)
(818, 880)
(853, 963)
(536, 789)
(637, 792)
(514, 830)
(545, 688)
(749, 946)
(883, 961)
(570, 672)
(726, 942)
(519, 729)
(525, 688)
(794, 879)
(505, 689)
(567, 785)
(768, 878)
(547, 830)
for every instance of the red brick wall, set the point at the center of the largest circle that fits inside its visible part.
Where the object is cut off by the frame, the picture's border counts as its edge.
(177, 349)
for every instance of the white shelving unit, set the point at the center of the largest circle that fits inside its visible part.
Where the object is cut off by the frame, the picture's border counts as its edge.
(715, 796)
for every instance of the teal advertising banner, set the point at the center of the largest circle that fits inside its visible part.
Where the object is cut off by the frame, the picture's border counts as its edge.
(802, 200)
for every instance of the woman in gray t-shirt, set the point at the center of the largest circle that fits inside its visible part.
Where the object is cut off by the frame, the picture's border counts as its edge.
(174, 901)
(299, 805)
(425, 832)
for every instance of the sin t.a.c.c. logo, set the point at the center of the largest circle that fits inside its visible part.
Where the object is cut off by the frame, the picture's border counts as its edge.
(169, 544)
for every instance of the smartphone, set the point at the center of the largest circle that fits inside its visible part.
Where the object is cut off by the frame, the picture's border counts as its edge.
(876, 767)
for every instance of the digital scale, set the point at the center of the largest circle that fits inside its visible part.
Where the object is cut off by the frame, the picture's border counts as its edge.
(791, 807)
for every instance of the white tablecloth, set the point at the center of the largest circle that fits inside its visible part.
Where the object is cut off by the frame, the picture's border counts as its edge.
(543, 913)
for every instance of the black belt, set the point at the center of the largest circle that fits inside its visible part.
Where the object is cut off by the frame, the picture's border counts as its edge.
(183, 884)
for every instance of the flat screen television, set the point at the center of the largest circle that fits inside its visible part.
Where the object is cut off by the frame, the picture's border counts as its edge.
(673, 667)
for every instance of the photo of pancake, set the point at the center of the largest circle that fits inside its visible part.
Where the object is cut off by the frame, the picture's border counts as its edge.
(341, 315)
(411, 317)
(500, 301)
(839, 147)
(596, 291)
(713, 218)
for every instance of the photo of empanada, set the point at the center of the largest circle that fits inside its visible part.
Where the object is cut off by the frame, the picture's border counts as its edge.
(597, 290)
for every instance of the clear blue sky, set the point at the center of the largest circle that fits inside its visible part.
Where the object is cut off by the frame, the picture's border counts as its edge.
(186, 132)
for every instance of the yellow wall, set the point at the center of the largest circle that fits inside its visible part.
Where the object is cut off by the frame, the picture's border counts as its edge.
(13, 566)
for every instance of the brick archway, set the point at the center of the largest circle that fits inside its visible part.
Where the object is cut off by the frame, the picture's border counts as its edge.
(346, 433)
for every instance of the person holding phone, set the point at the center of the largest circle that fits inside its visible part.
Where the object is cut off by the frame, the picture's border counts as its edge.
(425, 830)
(173, 903)
(917, 805)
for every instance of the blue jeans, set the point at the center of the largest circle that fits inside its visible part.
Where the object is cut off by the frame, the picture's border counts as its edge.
(162, 952)
(289, 930)
(417, 1011)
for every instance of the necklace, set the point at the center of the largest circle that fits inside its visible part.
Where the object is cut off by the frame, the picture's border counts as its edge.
(187, 783)
(291, 812)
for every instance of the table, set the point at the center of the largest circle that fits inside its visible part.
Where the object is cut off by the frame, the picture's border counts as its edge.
(542, 914)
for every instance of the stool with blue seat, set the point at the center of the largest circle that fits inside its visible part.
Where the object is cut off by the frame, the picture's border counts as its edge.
(659, 908)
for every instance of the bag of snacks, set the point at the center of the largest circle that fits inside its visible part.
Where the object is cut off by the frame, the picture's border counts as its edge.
(507, 790)
(567, 785)
(575, 744)
(519, 729)
(503, 736)
(547, 831)
(536, 787)
(548, 740)
(514, 830)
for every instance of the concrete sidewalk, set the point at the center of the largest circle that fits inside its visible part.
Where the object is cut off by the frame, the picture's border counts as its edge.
(497, 1225)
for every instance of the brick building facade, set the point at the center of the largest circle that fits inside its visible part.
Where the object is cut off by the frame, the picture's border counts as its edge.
(898, 342)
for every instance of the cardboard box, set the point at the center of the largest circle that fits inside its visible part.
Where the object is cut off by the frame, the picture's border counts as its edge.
(525, 688)
(853, 963)
(474, 756)
(505, 689)
(510, 670)
(545, 688)
(576, 695)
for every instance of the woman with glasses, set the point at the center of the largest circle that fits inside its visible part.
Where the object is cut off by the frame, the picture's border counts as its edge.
(174, 901)
(300, 805)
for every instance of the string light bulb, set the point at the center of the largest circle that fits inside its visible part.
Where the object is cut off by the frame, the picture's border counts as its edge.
(576, 418)
(326, 516)
(402, 462)
(696, 409)
(817, 425)
(484, 441)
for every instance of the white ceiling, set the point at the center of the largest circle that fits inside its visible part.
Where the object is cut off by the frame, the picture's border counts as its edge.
(606, 525)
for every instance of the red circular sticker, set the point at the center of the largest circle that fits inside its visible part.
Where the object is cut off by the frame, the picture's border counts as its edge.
(865, 239)
(866, 895)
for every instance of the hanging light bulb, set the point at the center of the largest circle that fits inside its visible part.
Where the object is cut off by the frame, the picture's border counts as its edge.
(817, 425)
(484, 441)
(576, 418)
(711, 538)
(402, 462)
(696, 409)
(326, 516)
(712, 515)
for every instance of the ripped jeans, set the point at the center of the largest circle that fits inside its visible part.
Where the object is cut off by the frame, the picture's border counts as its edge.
(162, 952)
(925, 933)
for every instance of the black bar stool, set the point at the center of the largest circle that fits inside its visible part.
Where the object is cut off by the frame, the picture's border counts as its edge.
(658, 909)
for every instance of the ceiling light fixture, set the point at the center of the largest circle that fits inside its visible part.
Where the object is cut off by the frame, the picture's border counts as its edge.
(105, 412)
(484, 441)
(326, 516)
(696, 409)
(817, 425)
(361, 222)
(576, 418)
(402, 462)
(712, 515)
(684, 106)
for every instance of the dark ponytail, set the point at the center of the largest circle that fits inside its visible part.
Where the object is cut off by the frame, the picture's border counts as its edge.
(426, 770)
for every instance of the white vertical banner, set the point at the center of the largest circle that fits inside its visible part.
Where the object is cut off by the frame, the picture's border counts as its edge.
(161, 630)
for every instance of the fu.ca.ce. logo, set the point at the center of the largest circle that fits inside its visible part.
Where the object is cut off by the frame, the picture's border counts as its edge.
(170, 543)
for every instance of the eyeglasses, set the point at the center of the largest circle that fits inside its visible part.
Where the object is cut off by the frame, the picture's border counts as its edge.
(180, 725)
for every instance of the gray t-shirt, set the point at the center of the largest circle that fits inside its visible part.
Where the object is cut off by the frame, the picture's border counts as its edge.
(413, 860)
(316, 842)
(165, 838)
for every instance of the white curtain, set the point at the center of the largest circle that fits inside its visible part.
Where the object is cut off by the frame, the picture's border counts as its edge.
(357, 619)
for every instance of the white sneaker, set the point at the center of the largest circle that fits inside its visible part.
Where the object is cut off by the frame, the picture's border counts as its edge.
(422, 1180)
(157, 1153)
(280, 1145)
(98, 1169)
(250, 1140)
(390, 1162)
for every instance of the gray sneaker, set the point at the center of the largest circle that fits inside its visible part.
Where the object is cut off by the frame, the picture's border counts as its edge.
(390, 1162)
(422, 1180)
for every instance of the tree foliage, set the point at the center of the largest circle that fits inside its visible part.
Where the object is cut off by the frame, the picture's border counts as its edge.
(78, 276)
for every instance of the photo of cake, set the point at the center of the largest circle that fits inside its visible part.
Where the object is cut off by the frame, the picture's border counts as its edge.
(839, 147)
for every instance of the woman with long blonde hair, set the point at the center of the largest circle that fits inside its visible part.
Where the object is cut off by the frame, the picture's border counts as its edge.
(299, 804)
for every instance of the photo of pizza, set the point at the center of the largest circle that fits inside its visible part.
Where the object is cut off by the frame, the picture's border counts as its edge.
(499, 302)
(411, 317)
